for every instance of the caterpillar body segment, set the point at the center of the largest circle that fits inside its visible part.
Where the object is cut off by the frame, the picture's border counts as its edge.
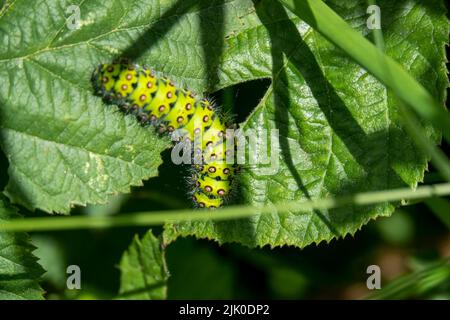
(159, 102)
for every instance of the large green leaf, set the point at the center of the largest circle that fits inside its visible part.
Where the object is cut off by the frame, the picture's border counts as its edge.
(143, 270)
(19, 270)
(63, 145)
(340, 131)
(339, 128)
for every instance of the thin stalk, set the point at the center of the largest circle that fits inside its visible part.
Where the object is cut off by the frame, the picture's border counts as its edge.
(232, 212)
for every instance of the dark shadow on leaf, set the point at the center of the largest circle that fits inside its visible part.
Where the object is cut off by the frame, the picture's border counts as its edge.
(157, 30)
(8, 178)
(213, 42)
(3, 168)
(21, 276)
(279, 48)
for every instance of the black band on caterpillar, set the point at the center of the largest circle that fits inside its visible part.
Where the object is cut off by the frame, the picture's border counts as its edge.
(156, 100)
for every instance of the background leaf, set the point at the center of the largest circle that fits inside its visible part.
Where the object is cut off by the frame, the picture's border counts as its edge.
(143, 270)
(19, 269)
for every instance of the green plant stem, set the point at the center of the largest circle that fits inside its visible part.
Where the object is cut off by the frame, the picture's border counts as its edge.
(418, 135)
(233, 212)
(323, 19)
(377, 33)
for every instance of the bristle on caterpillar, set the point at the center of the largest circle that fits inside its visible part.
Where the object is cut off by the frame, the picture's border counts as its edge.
(159, 102)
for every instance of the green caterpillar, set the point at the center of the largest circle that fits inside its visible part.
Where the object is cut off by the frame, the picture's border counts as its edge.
(157, 101)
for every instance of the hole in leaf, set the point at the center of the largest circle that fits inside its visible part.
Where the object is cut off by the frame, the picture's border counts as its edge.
(241, 99)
